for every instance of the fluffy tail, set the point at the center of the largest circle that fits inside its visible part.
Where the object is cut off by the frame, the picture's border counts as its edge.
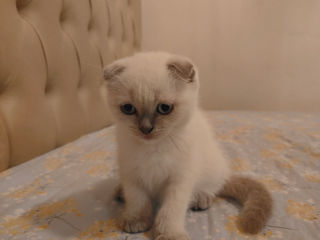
(256, 201)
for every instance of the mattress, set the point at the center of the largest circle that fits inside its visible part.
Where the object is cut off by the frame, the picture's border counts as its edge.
(67, 193)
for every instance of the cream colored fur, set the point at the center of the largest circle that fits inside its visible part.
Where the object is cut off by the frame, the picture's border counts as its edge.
(182, 164)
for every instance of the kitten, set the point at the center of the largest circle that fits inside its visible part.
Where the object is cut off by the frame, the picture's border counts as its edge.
(166, 149)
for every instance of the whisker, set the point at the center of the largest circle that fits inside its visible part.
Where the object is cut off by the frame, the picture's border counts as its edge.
(174, 143)
(183, 143)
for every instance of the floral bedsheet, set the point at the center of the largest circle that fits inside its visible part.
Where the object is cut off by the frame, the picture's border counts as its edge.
(67, 193)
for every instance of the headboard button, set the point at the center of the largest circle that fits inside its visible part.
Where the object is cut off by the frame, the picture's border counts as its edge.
(22, 4)
(62, 16)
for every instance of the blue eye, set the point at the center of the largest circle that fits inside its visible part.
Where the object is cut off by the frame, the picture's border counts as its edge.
(164, 108)
(128, 109)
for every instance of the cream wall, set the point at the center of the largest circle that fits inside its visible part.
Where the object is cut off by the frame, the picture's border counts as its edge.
(252, 54)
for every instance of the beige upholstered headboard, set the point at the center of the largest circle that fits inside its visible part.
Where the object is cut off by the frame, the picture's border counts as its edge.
(51, 57)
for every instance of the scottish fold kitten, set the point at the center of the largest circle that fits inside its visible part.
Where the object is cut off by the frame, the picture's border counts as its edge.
(166, 149)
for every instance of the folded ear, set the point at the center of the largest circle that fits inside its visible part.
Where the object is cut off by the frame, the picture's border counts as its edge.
(182, 68)
(112, 71)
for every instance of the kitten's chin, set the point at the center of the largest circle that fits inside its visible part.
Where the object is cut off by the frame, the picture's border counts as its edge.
(148, 139)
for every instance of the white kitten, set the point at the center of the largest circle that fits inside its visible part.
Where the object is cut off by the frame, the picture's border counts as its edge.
(166, 149)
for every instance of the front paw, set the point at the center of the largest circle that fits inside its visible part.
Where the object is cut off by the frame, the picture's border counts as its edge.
(201, 201)
(174, 236)
(136, 224)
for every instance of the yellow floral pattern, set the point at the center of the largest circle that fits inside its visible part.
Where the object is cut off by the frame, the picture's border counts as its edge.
(37, 187)
(273, 185)
(67, 193)
(302, 210)
(52, 164)
(100, 230)
(38, 218)
(98, 169)
(312, 177)
(240, 165)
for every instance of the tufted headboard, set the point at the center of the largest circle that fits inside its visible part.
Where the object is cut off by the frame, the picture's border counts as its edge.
(51, 57)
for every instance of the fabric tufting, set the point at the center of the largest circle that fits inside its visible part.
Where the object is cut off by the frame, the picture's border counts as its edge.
(51, 59)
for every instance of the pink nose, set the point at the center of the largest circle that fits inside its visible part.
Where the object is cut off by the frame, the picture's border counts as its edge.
(146, 130)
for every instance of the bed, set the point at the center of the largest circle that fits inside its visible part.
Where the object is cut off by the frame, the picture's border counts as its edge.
(57, 145)
(68, 192)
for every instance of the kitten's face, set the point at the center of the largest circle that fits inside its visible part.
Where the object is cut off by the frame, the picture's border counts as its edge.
(148, 99)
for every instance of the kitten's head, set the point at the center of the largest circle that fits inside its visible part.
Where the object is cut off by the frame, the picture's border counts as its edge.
(152, 94)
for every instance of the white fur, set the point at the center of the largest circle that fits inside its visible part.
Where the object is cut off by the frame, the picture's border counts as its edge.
(182, 161)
